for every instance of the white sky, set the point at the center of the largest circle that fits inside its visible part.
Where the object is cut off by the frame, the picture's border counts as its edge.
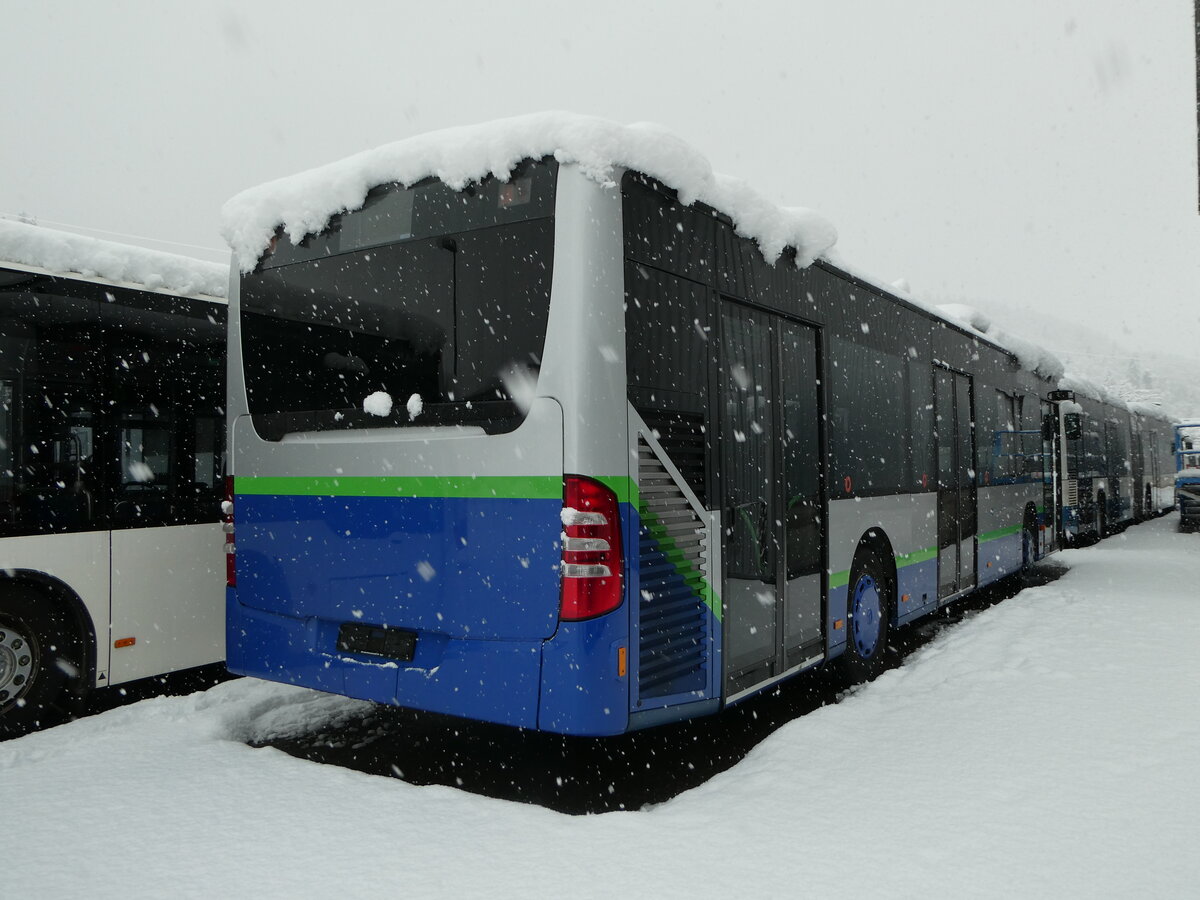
(1036, 154)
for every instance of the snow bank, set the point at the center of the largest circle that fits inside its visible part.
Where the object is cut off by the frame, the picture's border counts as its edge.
(304, 203)
(73, 254)
(1045, 747)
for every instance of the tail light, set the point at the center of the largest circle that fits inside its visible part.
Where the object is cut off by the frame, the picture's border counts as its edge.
(227, 527)
(591, 549)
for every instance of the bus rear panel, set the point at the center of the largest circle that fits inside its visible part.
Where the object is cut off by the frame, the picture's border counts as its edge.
(426, 555)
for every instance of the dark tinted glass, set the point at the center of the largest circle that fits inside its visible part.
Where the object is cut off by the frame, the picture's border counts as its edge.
(394, 213)
(457, 318)
(101, 390)
(869, 437)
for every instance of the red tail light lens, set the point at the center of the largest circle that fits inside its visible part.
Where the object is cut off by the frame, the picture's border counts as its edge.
(591, 549)
(227, 527)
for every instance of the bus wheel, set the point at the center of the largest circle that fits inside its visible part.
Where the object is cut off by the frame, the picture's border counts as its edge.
(1028, 550)
(868, 607)
(36, 664)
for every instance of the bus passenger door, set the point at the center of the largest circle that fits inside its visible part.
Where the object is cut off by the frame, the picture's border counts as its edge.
(772, 514)
(956, 482)
(1051, 489)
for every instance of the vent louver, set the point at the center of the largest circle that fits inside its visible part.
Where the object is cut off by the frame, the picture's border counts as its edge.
(672, 565)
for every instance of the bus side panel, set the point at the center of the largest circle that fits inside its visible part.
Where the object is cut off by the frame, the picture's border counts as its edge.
(1001, 513)
(585, 688)
(81, 562)
(185, 562)
(909, 523)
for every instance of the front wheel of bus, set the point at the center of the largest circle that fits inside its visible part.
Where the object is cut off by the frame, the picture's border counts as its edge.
(35, 662)
(868, 606)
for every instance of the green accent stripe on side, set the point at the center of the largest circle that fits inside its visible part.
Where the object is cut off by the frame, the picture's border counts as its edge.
(504, 487)
(625, 488)
(917, 556)
(840, 579)
(999, 533)
(687, 571)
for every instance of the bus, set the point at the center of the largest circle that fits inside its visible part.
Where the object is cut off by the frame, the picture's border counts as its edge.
(1187, 474)
(586, 447)
(1115, 466)
(112, 440)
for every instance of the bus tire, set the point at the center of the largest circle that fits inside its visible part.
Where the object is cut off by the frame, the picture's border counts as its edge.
(1029, 540)
(868, 615)
(39, 661)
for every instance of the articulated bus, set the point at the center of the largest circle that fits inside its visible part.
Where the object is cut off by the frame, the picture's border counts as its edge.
(1115, 466)
(112, 436)
(628, 472)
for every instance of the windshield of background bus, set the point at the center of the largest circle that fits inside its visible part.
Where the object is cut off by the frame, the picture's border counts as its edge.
(428, 291)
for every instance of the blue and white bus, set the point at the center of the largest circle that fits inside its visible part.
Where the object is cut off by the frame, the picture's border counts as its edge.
(626, 470)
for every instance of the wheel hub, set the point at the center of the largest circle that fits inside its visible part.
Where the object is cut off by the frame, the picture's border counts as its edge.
(16, 664)
(866, 622)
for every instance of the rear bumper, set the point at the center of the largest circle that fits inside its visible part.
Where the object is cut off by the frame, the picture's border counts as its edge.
(495, 681)
(571, 684)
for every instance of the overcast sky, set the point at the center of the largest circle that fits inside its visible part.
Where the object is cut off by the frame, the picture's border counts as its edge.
(1029, 154)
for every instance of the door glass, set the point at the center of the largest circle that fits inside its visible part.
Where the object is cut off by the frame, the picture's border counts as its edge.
(747, 474)
(801, 476)
(965, 425)
(947, 483)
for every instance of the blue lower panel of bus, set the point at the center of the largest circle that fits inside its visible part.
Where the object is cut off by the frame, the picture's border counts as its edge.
(495, 681)
(473, 583)
(999, 557)
(919, 582)
(455, 566)
(572, 684)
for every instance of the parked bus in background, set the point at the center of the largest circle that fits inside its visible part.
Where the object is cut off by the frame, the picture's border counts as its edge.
(590, 446)
(111, 453)
(1115, 466)
(1187, 474)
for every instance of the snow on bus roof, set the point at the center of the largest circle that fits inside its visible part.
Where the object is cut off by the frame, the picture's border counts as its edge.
(62, 253)
(304, 203)
(1032, 357)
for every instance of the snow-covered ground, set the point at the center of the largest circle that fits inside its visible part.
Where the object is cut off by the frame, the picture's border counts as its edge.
(1046, 747)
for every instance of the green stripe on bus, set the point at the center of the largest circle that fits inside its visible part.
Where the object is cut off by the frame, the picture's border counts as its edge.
(917, 556)
(687, 571)
(840, 579)
(503, 487)
(999, 533)
(626, 489)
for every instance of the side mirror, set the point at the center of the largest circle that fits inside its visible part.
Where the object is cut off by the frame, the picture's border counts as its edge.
(1072, 426)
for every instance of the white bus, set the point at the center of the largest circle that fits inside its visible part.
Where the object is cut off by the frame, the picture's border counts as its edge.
(111, 453)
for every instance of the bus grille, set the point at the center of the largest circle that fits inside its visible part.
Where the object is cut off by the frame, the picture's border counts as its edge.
(672, 567)
(1071, 497)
